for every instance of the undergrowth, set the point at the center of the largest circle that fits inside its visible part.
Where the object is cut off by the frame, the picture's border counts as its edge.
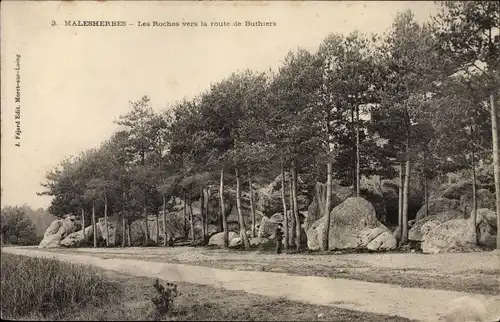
(47, 288)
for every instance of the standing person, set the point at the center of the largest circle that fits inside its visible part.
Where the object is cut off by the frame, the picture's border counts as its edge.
(279, 237)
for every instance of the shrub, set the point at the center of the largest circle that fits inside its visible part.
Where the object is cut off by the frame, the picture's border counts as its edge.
(164, 301)
(46, 287)
(16, 227)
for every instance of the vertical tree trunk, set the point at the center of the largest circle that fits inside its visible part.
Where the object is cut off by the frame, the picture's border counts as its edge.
(252, 209)
(223, 210)
(474, 201)
(426, 184)
(426, 195)
(124, 224)
(83, 225)
(207, 209)
(291, 238)
(326, 231)
(106, 220)
(357, 153)
(243, 230)
(202, 215)
(157, 227)
(164, 213)
(353, 169)
(285, 215)
(146, 236)
(129, 234)
(406, 188)
(295, 207)
(496, 161)
(400, 202)
(94, 227)
(185, 226)
(191, 221)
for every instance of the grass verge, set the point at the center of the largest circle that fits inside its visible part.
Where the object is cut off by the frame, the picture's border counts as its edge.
(46, 288)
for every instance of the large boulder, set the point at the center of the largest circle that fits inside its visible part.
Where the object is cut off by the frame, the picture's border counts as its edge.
(456, 189)
(459, 234)
(114, 228)
(316, 209)
(58, 230)
(267, 228)
(425, 224)
(484, 199)
(218, 239)
(348, 220)
(258, 241)
(269, 199)
(438, 205)
(315, 234)
(353, 224)
(383, 240)
(75, 239)
(278, 217)
(383, 195)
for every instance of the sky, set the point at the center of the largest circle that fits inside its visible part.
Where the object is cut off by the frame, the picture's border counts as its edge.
(75, 81)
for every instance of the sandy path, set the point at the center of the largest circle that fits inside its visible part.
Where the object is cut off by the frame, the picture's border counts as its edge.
(413, 303)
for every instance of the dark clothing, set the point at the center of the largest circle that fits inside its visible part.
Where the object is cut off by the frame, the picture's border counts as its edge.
(279, 237)
(278, 247)
(278, 234)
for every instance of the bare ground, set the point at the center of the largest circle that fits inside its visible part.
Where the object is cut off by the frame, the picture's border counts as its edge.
(464, 272)
(206, 303)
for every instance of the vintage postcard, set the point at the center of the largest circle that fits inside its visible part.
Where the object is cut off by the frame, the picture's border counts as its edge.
(250, 160)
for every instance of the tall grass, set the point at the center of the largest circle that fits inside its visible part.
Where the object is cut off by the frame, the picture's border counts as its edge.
(40, 287)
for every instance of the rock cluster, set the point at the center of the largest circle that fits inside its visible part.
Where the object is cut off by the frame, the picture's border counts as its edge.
(353, 224)
(58, 230)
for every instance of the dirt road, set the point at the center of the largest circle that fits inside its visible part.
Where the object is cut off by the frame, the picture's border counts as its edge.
(413, 303)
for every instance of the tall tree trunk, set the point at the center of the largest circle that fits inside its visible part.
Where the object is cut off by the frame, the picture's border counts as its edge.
(496, 161)
(353, 169)
(406, 188)
(326, 230)
(223, 210)
(291, 238)
(129, 234)
(106, 220)
(83, 225)
(164, 213)
(94, 226)
(426, 195)
(146, 236)
(202, 215)
(295, 207)
(243, 230)
(185, 226)
(285, 215)
(426, 184)
(124, 227)
(191, 221)
(252, 209)
(400, 203)
(357, 153)
(157, 228)
(474, 201)
(207, 209)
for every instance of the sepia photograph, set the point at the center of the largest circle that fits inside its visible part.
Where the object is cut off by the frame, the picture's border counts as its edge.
(250, 161)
